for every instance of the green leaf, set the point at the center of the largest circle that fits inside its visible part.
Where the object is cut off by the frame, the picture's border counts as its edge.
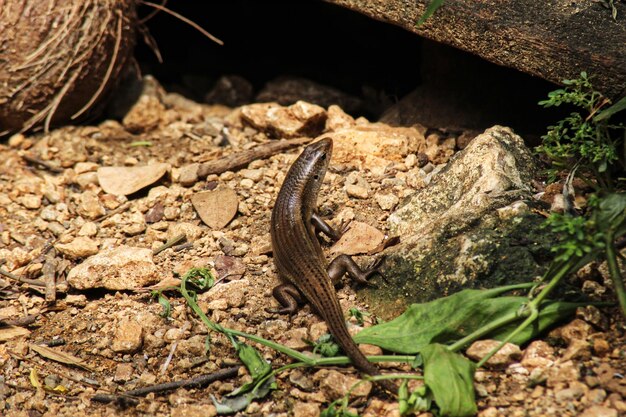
(259, 369)
(256, 365)
(551, 312)
(449, 376)
(451, 318)
(609, 209)
(240, 402)
(165, 303)
(325, 346)
(202, 278)
(430, 9)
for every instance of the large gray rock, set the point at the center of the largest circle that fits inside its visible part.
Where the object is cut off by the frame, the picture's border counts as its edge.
(469, 228)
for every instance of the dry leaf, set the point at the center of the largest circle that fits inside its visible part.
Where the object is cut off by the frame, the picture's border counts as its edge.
(127, 180)
(59, 356)
(217, 207)
(34, 379)
(360, 238)
(11, 332)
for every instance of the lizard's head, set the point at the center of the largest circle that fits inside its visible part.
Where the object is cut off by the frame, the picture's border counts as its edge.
(312, 164)
(317, 156)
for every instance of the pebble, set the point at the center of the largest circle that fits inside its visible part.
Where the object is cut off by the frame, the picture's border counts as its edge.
(89, 205)
(386, 201)
(78, 248)
(306, 409)
(188, 174)
(128, 337)
(538, 354)
(600, 346)
(357, 191)
(564, 372)
(335, 384)
(599, 411)
(574, 392)
(505, 356)
(31, 201)
(296, 338)
(299, 119)
(123, 372)
(121, 268)
(246, 183)
(190, 230)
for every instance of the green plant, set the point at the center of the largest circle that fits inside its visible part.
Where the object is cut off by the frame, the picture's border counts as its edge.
(587, 145)
(585, 141)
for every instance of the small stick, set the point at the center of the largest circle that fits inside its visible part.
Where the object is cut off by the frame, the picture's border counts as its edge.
(21, 321)
(35, 282)
(172, 242)
(49, 277)
(168, 386)
(241, 159)
(44, 164)
(182, 247)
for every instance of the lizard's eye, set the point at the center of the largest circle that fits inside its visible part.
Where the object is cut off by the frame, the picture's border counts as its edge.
(323, 156)
(317, 177)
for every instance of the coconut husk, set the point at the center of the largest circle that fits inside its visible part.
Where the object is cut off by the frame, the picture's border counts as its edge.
(60, 59)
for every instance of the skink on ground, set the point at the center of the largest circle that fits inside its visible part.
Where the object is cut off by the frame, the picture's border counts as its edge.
(298, 255)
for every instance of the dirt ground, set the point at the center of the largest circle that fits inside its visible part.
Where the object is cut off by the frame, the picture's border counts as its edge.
(54, 214)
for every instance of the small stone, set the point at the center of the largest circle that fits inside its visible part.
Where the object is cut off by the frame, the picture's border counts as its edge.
(386, 201)
(172, 335)
(155, 214)
(188, 174)
(599, 411)
(121, 268)
(80, 247)
(82, 167)
(538, 354)
(31, 201)
(252, 174)
(489, 412)
(574, 392)
(128, 337)
(306, 409)
(505, 356)
(299, 119)
(89, 229)
(575, 330)
(194, 410)
(56, 228)
(246, 183)
(577, 349)
(123, 372)
(296, 338)
(89, 205)
(357, 191)
(16, 140)
(338, 119)
(601, 347)
(87, 179)
(134, 229)
(596, 396)
(564, 372)
(78, 300)
(190, 230)
(335, 384)
(232, 294)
